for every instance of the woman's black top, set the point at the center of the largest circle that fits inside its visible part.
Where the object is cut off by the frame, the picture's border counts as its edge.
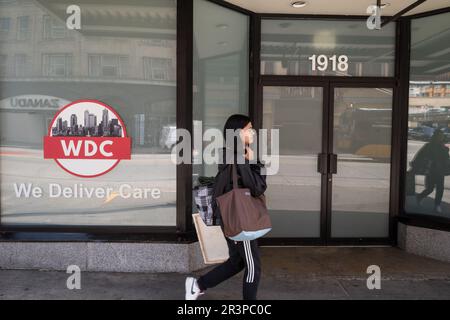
(249, 176)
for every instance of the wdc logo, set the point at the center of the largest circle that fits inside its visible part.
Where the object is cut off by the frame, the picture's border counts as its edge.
(87, 138)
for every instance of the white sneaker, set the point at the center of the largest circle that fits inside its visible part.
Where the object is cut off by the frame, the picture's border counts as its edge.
(438, 209)
(192, 289)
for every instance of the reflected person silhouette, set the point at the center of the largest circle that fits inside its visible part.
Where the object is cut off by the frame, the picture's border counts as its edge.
(432, 160)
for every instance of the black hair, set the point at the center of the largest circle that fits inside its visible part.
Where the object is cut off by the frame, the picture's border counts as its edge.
(438, 133)
(235, 122)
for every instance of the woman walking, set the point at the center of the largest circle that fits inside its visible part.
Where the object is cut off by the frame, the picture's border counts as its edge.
(242, 254)
(433, 160)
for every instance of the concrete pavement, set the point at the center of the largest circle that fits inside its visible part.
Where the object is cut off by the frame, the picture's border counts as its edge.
(288, 273)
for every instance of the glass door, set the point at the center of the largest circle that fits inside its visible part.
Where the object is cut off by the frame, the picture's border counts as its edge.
(360, 163)
(333, 183)
(295, 194)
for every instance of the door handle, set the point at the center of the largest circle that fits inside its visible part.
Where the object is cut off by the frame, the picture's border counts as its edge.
(322, 163)
(333, 163)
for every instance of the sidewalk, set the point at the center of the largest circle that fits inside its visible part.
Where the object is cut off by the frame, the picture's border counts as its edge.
(288, 273)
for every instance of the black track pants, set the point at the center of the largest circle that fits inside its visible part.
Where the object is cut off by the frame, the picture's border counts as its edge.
(243, 254)
(431, 181)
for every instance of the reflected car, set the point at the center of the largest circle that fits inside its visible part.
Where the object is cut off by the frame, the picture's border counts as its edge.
(422, 133)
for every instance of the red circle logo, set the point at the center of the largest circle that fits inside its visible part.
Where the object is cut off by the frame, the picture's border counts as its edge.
(87, 138)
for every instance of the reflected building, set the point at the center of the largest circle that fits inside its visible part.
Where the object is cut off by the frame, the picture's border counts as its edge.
(124, 56)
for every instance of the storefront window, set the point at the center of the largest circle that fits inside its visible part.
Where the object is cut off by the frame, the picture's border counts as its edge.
(123, 54)
(221, 51)
(428, 164)
(335, 48)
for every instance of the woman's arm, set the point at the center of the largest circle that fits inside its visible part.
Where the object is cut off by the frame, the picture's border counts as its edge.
(252, 179)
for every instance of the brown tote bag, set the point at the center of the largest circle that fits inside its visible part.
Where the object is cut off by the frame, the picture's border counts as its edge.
(244, 217)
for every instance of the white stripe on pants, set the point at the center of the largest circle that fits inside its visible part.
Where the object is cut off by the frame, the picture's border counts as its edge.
(250, 263)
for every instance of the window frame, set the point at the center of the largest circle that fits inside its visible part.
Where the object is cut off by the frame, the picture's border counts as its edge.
(18, 66)
(181, 232)
(121, 70)
(47, 66)
(23, 33)
(5, 33)
(323, 18)
(49, 22)
(4, 65)
(150, 69)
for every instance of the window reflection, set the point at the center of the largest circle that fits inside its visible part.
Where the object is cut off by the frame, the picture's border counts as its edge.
(428, 164)
(220, 66)
(125, 56)
(362, 141)
(294, 194)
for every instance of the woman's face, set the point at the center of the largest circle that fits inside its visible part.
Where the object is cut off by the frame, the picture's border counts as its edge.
(247, 134)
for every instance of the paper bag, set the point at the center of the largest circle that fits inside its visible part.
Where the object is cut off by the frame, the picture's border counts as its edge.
(212, 241)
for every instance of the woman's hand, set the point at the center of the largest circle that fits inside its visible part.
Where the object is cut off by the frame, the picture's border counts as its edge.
(249, 154)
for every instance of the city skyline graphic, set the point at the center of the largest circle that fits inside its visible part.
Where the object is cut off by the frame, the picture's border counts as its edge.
(88, 123)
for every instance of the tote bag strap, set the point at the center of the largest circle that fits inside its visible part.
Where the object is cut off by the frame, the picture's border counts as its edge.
(234, 176)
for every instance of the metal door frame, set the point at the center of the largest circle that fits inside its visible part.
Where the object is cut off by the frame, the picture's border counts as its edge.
(328, 84)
